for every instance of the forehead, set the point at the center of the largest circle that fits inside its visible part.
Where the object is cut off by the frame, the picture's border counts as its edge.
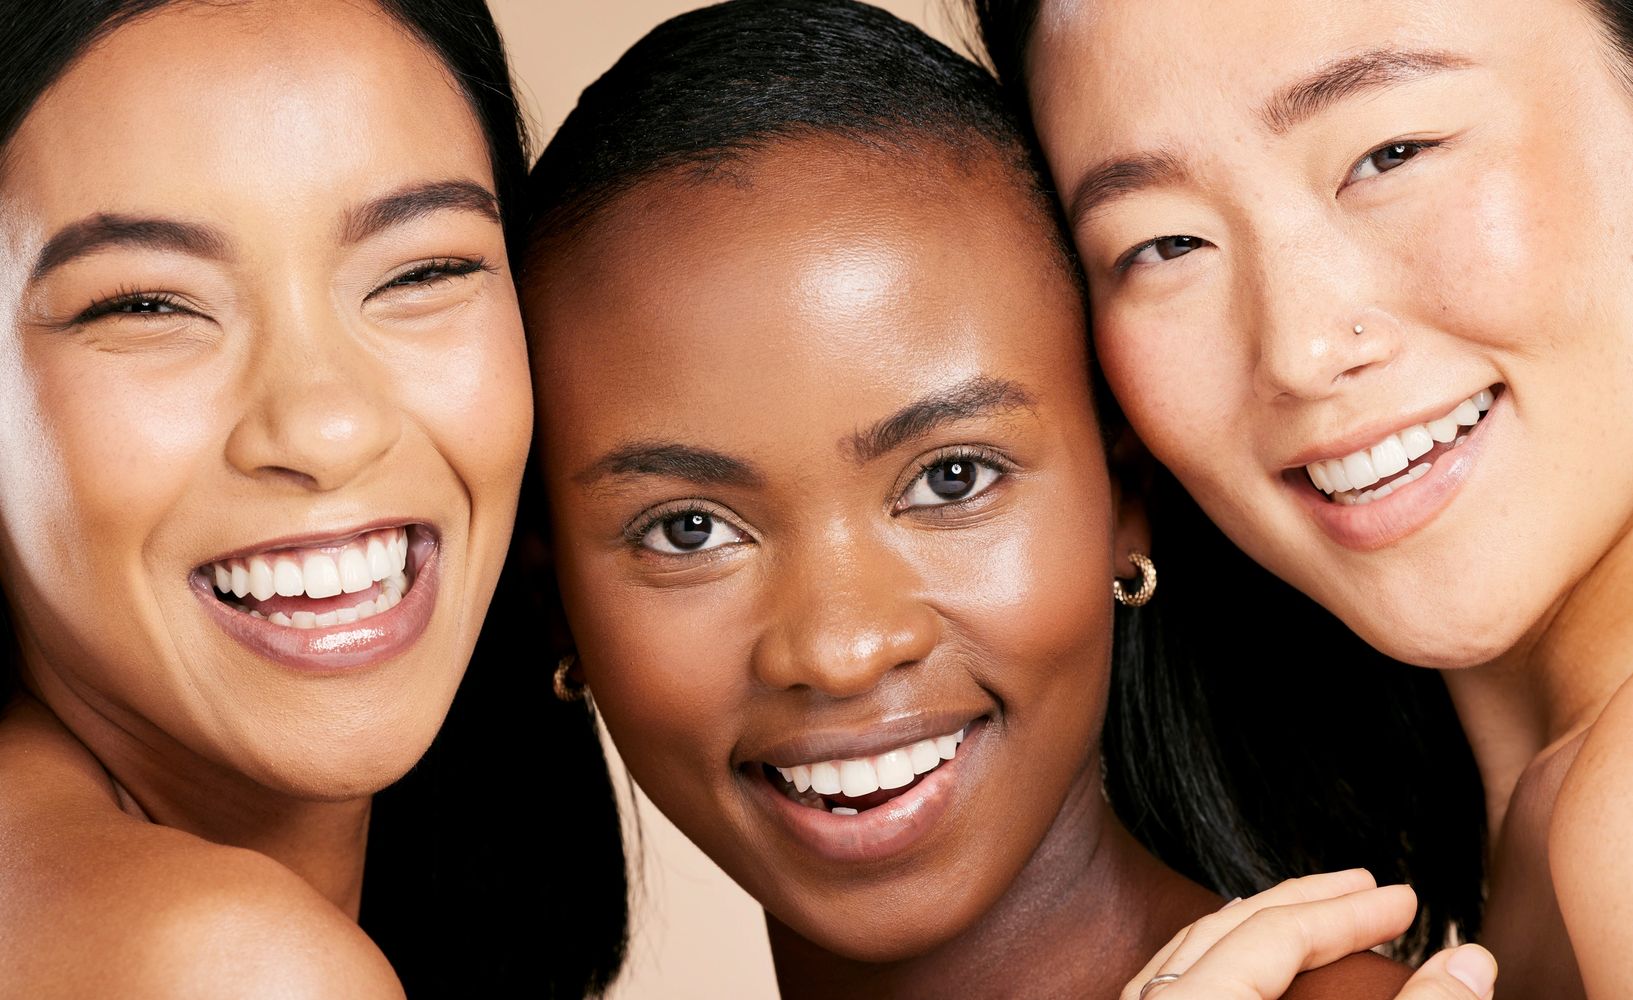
(821, 280)
(1149, 70)
(200, 107)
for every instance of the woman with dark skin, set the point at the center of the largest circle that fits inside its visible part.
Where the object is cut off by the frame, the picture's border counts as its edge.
(1359, 290)
(263, 416)
(833, 522)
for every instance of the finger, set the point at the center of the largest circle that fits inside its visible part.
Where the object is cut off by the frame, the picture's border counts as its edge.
(1259, 958)
(1192, 942)
(1466, 973)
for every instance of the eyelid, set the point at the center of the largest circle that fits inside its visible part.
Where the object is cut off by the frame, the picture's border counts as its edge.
(976, 453)
(452, 268)
(636, 528)
(1423, 145)
(108, 305)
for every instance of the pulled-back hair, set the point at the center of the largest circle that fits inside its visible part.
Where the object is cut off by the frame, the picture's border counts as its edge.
(459, 866)
(1249, 736)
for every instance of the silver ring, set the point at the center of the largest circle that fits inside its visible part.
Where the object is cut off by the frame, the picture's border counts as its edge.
(1162, 980)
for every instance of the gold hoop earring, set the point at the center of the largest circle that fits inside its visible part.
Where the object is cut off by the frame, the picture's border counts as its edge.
(1148, 583)
(566, 688)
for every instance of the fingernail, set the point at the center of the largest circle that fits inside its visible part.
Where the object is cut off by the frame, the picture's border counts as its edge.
(1474, 967)
(1232, 903)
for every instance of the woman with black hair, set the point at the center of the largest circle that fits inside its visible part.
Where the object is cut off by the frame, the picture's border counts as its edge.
(836, 537)
(263, 417)
(1356, 279)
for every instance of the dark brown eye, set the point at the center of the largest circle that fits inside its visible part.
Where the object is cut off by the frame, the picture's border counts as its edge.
(951, 480)
(1159, 250)
(690, 531)
(1386, 158)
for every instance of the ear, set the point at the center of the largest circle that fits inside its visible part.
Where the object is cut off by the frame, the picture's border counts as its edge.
(1132, 473)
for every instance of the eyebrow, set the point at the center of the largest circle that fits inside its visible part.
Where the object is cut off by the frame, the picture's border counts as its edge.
(1286, 109)
(1115, 178)
(105, 231)
(976, 397)
(674, 461)
(417, 202)
(1349, 77)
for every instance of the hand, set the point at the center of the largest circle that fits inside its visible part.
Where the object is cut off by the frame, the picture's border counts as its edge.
(1252, 948)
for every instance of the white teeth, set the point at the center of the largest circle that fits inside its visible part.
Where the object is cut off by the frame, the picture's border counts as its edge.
(857, 777)
(261, 586)
(279, 618)
(1442, 429)
(328, 618)
(923, 756)
(1346, 479)
(286, 578)
(223, 579)
(240, 578)
(304, 619)
(825, 778)
(895, 769)
(1358, 469)
(1417, 441)
(1388, 456)
(861, 776)
(843, 811)
(321, 575)
(345, 616)
(379, 561)
(354, 572)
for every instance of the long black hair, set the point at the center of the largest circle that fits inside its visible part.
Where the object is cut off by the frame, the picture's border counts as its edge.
(1262, 737)
(511, 812)
(1249, 736)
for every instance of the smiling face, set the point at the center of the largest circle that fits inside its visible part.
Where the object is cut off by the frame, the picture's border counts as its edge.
(828, 497)
(259, 352)
(1315, 264)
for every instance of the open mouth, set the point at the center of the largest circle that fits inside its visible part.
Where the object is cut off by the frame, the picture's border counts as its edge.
(851, 787)
(320, 586)
(1400, 459)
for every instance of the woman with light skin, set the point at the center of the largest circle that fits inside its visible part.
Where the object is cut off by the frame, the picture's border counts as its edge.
(1361, 291)
(264, 413)
(833, 523)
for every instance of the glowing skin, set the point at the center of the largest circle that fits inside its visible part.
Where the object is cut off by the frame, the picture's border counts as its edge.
(1459, 194)
(305, 376)
(737, 351)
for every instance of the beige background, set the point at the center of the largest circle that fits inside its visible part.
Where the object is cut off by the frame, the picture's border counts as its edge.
(695, 934)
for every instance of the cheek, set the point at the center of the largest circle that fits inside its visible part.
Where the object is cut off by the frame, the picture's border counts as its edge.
(481, 411)
(96, 450)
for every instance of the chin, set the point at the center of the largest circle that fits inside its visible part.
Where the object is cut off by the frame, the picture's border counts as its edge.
(882, 934)
(330, 769)
(1472, 631)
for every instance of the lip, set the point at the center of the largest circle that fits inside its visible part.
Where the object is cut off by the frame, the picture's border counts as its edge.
(339, 648)
(325, 539)
(883, 831)
(849, 744)
(1371, 434)
(1371, 526)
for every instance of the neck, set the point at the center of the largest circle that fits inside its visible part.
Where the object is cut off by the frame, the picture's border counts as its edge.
(158, 780)
(1084, 915)
(1552, 685)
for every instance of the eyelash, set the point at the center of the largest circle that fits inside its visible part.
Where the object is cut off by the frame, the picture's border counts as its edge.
(641, 526)
(975, 455)
(1126, 261)
(430, 273)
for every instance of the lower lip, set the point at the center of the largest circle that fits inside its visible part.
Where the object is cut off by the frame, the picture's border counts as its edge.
(1369, 526)
(883, 831)
(340, 647)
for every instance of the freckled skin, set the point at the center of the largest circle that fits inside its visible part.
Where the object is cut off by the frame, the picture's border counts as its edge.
(1495, 257)
(770, 321)
(294, 394)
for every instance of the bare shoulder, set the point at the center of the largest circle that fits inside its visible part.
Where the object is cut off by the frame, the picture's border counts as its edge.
(1587, 856)
(1359, 977)
(94, 902)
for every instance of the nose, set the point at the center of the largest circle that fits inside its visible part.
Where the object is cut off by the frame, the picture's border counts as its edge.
(845, 615)
(318, 408)
(1318, 325)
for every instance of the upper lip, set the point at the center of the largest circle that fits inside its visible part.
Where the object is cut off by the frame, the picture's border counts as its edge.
(1370, 434)
(850, 743)
(317, 539)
